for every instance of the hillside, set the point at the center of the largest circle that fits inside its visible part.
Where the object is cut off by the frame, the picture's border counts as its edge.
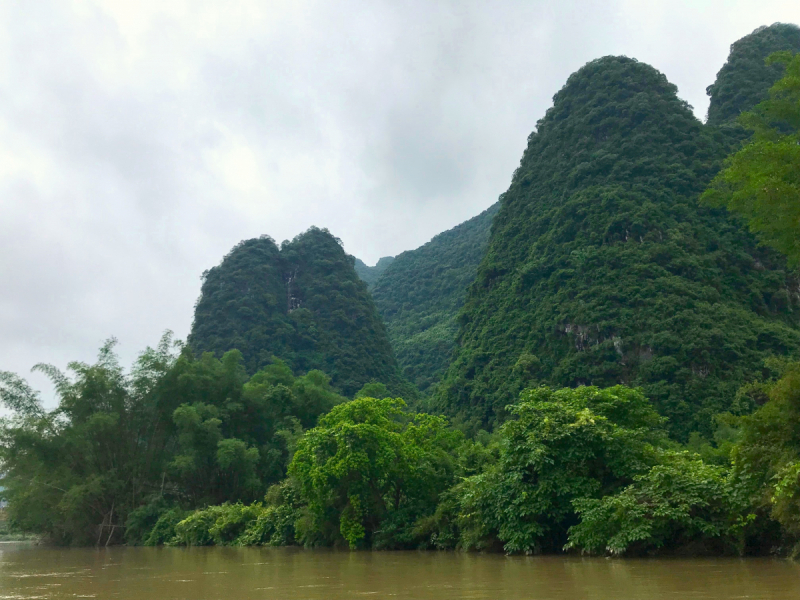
(420, 293)
(302, 303)
(744, 79)
(603, 269)
(369, 275)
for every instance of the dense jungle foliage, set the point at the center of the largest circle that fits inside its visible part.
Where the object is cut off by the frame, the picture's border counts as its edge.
(176, 432)
(183, 451)
(304, 304)
(602, 268)
(369, 275)
(601, 259)
(420, 293)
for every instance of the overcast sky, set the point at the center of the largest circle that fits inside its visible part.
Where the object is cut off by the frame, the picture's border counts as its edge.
(140, 140)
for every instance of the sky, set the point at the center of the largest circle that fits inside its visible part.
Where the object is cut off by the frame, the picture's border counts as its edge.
(140, 141)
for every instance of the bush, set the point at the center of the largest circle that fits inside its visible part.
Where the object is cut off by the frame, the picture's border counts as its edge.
(217, 525)
(370, 470)
(681, 504)
(164, 531)
(563, 445)
(275, 524)
(142, 521)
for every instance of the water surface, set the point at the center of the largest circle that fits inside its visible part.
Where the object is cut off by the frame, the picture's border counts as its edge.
(292, 574)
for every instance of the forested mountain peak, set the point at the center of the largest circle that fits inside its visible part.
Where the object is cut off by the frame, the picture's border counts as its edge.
(744, 79)
(302, 303)
(602, 268)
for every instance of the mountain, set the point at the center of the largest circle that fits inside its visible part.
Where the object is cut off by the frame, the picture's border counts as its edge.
(420, 293)
(369, 275)
(602, 268)
(302, 303)
(744, 79)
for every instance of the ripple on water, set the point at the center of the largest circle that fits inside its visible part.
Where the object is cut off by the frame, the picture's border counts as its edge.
(293, 574)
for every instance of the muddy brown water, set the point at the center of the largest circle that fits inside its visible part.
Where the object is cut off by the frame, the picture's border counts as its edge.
(28, 572)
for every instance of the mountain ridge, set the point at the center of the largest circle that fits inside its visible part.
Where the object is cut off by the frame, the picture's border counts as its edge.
(601, 263)
(302, 303)
(420, 293)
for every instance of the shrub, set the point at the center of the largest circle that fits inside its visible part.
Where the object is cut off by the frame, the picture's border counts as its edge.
(681, 504)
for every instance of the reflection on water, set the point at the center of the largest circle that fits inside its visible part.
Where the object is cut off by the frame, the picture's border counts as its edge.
(291, 574)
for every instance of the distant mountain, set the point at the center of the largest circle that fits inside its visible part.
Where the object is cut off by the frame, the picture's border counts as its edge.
(602, 268)
(302, 303)
(420, 293)
(369, 275)
(744, 80)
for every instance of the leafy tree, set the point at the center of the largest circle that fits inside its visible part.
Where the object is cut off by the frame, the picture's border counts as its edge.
(74, 473)
(680, 503)
(603, 269)
(761, 182)
(561, 446)
(369, 470)
(131, 452)
(766, 462)
(373, 389)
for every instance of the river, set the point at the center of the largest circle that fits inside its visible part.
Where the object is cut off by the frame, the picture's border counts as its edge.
(28, 571)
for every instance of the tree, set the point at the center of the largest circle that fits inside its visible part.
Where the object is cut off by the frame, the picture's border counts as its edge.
(560, 446)
(73, 474)
(761, 182)
(370, 470)
(124, 449)
(766, 462)
(680, 502)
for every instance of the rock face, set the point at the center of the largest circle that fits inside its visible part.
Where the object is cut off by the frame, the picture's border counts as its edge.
(302, 303)
(602, 268)
(421, 292)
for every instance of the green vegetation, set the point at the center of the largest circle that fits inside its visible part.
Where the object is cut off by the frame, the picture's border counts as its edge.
(303, 304)
(420, 294)
(11, 534)
(766, 462)
(187, 451)
(560, 446)
(631, 353)
(374, 470)
(744, 79)
(369, 275)
(603, 269)
(680, 503)
(761, 182)
(123, 448)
